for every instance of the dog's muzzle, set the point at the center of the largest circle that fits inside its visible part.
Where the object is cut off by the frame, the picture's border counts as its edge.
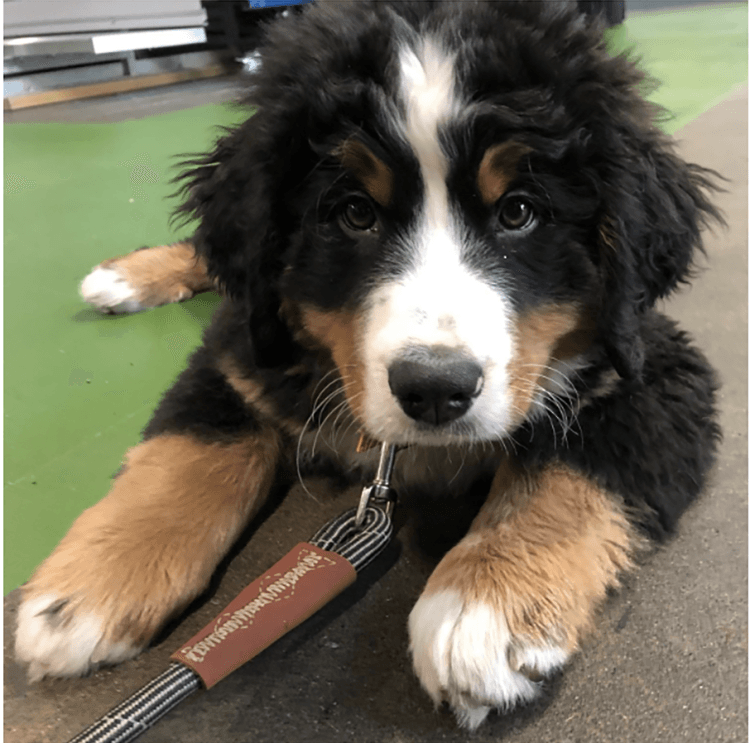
(435, 385)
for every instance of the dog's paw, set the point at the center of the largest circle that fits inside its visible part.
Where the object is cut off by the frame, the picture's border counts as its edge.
(109, 291)
(464, 654)
(59, 636)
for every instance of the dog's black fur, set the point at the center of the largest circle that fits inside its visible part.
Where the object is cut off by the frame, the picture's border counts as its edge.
(594, 218)
(626, 212)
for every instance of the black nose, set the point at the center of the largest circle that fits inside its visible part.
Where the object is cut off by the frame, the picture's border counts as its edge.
(435, 385)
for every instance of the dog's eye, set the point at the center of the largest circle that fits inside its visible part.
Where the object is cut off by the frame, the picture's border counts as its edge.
(516, 213)
(358, 214)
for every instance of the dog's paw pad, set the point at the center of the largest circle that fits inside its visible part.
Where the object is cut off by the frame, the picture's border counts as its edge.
(109, 291)
(55, 640)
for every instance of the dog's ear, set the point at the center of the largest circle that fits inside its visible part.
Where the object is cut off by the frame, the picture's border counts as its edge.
(655, 206)
(232, 192)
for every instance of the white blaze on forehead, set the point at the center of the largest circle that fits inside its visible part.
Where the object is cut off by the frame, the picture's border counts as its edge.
(427, 86)
(428, 90)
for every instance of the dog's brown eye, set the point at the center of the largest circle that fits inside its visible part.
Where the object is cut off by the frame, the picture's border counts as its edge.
(358, 214)
(516, 213)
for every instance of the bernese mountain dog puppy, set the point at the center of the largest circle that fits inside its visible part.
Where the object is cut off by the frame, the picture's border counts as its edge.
(443, 225)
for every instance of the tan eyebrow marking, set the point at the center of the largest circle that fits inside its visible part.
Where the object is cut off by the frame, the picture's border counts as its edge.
(371, 171)
(498, 169)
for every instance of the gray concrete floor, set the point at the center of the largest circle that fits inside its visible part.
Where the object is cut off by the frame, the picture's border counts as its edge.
(668, 662)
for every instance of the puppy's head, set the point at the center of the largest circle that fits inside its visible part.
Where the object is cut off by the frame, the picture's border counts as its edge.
(461, 202)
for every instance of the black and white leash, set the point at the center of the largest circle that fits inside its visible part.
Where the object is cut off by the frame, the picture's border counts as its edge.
(359, 535)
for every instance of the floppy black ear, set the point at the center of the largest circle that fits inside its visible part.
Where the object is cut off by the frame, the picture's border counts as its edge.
(233, 192)
(655, 206)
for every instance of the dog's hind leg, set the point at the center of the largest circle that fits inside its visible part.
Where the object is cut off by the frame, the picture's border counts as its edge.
(146, 278)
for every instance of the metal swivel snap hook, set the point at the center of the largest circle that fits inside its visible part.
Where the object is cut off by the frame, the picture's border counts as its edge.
(379, 491)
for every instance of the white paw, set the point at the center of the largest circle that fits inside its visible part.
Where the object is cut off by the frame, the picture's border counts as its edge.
(109, 291)
(56, 642)
(465, 655)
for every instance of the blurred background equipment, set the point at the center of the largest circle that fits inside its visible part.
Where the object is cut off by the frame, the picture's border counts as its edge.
(72, 49)
(611, 12)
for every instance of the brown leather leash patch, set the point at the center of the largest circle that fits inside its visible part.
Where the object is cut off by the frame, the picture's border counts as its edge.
(299, 584)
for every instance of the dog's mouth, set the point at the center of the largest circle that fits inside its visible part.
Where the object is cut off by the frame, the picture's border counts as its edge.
(418, 433)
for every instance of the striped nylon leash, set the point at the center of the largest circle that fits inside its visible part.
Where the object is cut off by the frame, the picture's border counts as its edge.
(358, 535)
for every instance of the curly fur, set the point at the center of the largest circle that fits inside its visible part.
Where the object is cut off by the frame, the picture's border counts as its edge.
(466, 197)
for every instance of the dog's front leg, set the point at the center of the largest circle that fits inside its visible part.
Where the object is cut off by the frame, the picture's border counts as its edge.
(141, 554)
(510, 602)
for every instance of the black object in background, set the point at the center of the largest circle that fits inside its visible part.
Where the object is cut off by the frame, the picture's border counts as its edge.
(612, 11)
(235, 24)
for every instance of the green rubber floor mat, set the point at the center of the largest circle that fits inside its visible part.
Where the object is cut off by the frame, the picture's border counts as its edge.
(698, 54)
(79, 387)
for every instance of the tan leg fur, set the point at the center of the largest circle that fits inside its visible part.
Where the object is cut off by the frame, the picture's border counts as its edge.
(147, 278)
(511, 601)
(141, 554)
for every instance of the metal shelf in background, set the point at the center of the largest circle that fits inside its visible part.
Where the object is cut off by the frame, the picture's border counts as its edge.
(101, 43)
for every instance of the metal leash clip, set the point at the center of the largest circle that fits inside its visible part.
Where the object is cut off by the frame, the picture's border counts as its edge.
(379, 492)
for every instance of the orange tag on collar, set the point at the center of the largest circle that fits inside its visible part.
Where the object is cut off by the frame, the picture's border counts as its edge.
(365, 443)
(299, 584)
